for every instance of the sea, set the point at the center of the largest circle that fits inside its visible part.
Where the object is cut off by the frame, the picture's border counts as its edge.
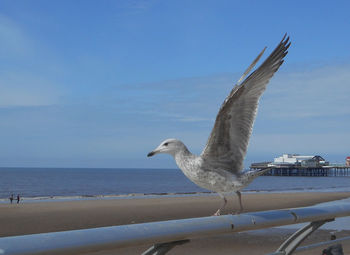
(34, 184)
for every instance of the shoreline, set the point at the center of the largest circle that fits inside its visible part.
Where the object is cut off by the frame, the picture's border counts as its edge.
(59, 198)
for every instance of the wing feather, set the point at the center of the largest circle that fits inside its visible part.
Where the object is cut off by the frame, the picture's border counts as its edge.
(228, 141)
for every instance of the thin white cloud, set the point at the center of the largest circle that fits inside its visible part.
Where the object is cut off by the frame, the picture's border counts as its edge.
(194, 119)
(21, 89)
(134, 7)
(176, 117)
(23, 84)
(194, 99)
(140, 4)
(291, 95)
(13, 40)
(311, 93)
(300, 143)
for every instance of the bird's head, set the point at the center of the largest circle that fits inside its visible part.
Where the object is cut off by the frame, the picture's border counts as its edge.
(170, 146)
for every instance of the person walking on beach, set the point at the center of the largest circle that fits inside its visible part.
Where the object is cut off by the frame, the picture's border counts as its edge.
(18, 198)
(11, 198)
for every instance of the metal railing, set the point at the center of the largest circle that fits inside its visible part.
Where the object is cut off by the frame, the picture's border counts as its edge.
(167, 234)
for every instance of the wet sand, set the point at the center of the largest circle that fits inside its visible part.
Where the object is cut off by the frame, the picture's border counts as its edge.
(41, 217)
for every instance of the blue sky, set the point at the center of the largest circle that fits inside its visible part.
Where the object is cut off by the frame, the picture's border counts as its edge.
(101, 83)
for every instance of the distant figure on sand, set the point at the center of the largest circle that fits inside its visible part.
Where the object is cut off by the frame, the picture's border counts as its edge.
(18, 198)
(11, 198)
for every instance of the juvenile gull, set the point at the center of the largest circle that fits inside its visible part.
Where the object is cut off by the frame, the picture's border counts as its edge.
(219, 167)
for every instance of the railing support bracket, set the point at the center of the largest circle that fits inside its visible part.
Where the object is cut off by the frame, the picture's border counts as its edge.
(162, 248)
(289, 246)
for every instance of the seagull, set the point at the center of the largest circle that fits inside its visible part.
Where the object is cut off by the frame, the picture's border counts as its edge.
(219, 167)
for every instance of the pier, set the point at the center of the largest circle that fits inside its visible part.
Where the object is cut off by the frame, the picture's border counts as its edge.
(297, 165)
(306, 171)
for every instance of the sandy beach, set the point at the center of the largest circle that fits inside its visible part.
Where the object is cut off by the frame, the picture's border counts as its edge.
(41, 217)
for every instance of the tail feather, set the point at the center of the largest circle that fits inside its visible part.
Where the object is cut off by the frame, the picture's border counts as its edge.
(252, 174)
(263, 170)
(249, 176)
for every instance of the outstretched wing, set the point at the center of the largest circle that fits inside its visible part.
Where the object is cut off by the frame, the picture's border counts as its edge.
(228, 141)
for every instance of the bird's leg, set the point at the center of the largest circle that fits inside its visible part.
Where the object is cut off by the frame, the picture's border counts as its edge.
(240, 202)
(223, 204)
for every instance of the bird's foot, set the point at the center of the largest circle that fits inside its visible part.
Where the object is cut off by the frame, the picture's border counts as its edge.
(217, 213)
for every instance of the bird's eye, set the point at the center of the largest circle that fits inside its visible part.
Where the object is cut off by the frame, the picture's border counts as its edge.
(166, 144)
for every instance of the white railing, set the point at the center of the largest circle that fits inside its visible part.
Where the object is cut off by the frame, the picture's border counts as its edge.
(167, 234)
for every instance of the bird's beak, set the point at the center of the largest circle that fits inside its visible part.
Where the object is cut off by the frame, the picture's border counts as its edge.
(155, 151)
(151, 154)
